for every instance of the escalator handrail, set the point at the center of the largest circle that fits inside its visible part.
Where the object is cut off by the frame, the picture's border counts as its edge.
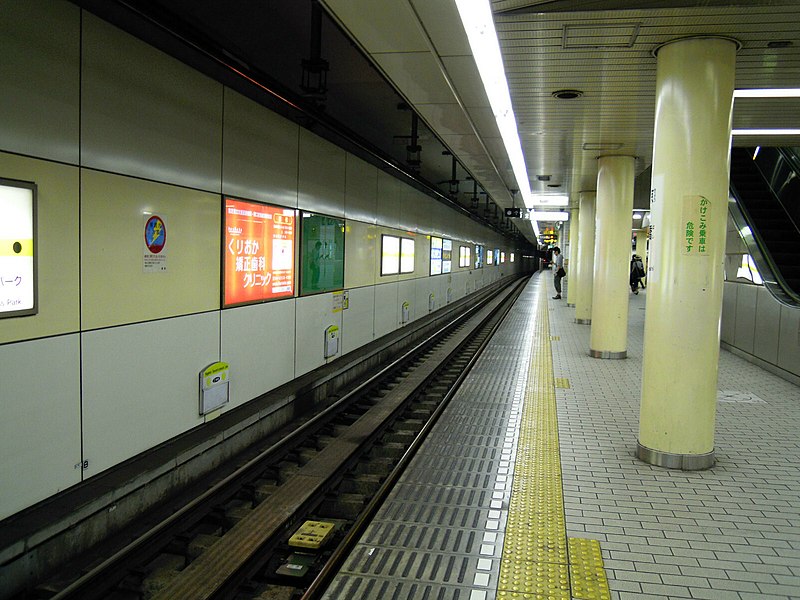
(768, 269)
(794, 164)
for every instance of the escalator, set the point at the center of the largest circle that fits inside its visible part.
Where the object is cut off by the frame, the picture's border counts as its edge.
(765, 205)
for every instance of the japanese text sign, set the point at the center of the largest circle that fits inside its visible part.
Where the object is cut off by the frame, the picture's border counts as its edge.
(696, 213)
(259, 252)
(17, 248)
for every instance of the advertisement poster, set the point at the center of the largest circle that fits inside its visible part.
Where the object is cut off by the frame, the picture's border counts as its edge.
(259, 252)
(155, 244)
(436, 256)
(17, 248)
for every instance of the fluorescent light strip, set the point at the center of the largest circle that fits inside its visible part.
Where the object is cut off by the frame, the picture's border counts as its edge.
(765, 132)
(549, 200)
(550, 216)
(476, 17)
(768, 93)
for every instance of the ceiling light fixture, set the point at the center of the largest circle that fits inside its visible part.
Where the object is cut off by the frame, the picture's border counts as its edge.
(765, 132)
(476, 18)
(567, 94)
(549, 216)
(768, 93)
(602, 146)
(550, 199)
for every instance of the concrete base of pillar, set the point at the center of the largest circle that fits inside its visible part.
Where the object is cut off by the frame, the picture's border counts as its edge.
(683, 462)
(607, 354)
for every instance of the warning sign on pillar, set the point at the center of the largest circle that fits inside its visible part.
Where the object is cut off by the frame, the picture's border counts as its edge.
(155, 244)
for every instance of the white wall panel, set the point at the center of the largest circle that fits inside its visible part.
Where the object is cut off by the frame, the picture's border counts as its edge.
(258, 342)
(412, 210)
(40, 71)
(259, 152)
(140, 384)
(146, 114)
(40, 436)
(386, 308)
(390, 195)
(361, 190)
(321, 175)
(789, 349)
(767, 331)
(728, 324)
(358, 321)
(425, 286)
(314, 315)
(407, 292)
(361, 254)
(744, 333)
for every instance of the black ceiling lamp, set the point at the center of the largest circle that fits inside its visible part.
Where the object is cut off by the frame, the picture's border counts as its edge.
(567, 94)
(315, 69)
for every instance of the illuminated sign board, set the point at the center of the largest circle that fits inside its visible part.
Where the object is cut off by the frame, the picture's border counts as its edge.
(259, 252)
(447, 256)
(478, 256)
(390, 255)
(464, 258)
(397, 255)
(497, 256)
(436, 256)
(17, 248)
(406, 255)
(489, 257)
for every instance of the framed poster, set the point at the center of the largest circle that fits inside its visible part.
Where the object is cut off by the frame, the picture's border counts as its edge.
(18, 273)
(258, 249)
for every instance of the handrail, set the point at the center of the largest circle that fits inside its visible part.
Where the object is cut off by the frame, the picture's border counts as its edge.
(768, 163)
(773, 280)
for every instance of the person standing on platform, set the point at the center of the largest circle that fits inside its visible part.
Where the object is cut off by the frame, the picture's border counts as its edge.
(637, 272)
(558, 265)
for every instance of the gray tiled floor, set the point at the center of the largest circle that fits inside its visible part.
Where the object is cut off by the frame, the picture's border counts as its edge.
(732, 532)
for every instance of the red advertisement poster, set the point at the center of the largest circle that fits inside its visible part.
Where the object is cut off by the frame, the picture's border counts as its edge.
(259, 252)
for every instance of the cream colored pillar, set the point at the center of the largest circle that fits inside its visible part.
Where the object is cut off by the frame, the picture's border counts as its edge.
(694, 101)
(612, 253)
(572, 265)
(583, 295)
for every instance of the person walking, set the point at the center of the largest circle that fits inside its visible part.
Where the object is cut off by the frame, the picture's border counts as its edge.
(637, 272)
(560, 273)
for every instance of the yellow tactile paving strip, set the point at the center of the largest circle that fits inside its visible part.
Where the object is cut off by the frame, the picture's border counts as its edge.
(538, 560)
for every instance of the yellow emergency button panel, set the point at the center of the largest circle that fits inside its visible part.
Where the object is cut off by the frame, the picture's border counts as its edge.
(312, 534)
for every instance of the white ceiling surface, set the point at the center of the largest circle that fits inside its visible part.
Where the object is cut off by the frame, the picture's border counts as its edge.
(420, 46)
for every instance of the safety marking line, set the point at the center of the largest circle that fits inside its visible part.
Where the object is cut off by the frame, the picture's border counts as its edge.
(539, 562)
(562, 382)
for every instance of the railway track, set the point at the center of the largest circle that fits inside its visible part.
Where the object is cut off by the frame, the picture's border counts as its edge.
(237, 539)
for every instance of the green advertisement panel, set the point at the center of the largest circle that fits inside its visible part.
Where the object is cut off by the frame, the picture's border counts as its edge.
(321, 253)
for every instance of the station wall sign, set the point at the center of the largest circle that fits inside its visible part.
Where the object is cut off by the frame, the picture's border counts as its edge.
(18, 284)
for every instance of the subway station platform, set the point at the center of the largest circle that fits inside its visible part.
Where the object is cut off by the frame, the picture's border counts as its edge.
(528, 486)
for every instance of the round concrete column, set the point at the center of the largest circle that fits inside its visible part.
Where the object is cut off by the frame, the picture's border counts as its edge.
(572, 265)
(583, 295)
(694, 101)
(612, 254)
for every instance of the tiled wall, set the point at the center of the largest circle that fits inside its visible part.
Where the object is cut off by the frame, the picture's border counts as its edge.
(753, 322)
(110, 128)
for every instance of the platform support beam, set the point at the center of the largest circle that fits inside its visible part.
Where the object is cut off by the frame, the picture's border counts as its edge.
(694, 102)
(612, 254)
(583, 292)
(571, 264)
